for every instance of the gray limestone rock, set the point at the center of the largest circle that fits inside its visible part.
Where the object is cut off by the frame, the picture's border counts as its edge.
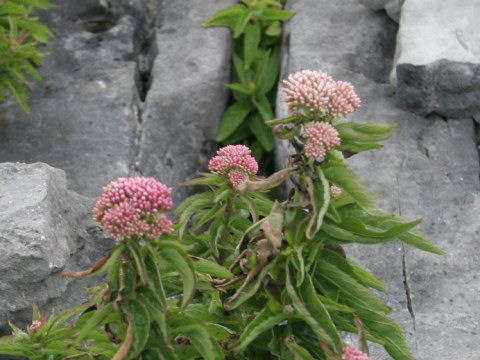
(187, 96)
(428, 170)
(437, 58)
(45, 230)
(130, 88)
(392, 7)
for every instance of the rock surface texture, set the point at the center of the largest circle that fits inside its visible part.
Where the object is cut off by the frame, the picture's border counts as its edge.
(437, 57)
(134, 87)
(131, 88)
(428, 170)
(45, 230)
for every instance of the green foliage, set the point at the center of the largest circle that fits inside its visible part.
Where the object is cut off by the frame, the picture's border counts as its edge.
(20, 34)
(257, 30)
(242, 276)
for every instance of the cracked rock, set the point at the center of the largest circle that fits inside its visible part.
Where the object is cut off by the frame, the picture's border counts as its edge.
(437, 60)
(43, 233)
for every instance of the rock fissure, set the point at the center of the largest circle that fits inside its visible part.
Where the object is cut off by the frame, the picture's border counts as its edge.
(145, 57)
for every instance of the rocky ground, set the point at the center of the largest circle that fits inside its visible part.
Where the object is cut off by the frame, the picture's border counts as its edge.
(135, 87)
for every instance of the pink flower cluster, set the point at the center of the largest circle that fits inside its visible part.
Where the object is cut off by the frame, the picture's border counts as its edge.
(235, 163)
(352, 353)
(316, 91)
(320, 137)
(134, 206)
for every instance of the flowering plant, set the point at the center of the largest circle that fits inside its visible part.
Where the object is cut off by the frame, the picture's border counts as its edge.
(240, 276)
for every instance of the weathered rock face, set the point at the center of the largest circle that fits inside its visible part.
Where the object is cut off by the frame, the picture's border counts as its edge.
(45, 230)
(428, 170)
(130, 88)
(392, 7)
(437, 60)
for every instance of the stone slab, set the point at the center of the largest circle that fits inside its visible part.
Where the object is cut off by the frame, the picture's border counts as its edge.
(45, 230)
(437, 58)
(428, 170)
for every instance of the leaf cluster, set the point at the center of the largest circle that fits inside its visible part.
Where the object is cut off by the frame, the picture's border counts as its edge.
(257, 28)
(20, 34)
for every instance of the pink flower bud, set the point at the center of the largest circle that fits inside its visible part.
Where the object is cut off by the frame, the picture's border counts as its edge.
(134, 206)
(352, 353)
(320, 137)
(235, 163)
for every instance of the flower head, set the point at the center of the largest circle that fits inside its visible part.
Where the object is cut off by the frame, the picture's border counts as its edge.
(235, 163)
(134, 206)
(352, 353)
(316, 91)
(320, 137)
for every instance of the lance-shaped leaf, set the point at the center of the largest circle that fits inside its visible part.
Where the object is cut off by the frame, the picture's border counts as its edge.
(226, 17)
(200, 338)
(364, 132)
(265, 320)
(384, 327)
(312, 310)
(212, 269)
(231, 120)
(177, 258)
(251, 42)
(341, 175)
(139, 318)
(413, 237)
(350, 289)
(319, 192)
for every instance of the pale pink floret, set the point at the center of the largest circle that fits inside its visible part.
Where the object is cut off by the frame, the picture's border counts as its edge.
(34, 326)
(315, 91)
(320, 137)
(235, 163)
(352, 353)
(134, 207)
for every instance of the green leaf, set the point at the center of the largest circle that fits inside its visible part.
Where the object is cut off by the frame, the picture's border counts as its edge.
(231, 120)
(274, 29)
(350, 288)
(341, 175)
(364, 276)
(304, 313)
(385, 328)
(136, 252)
(413, 237)
(242, 88)
(241, 24)
(226, 17)
(95, 320)
(263, 106)
(274, 15)
(140, 320)
(262, 132)
(300, 352)
(239, 67)
(269, 75)
(212, 269)
(251, 43)
(200, 338)
(319, 192)
(180, 261)
(366, 133)
(19, 93)
(265, 320)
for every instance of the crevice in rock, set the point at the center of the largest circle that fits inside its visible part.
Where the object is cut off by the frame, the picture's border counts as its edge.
(407, 287)
(145, 53)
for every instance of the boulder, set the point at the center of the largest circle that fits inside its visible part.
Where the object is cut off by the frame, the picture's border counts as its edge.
(428, 170)
(437, 58)
(45, 230)
(392, 7)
